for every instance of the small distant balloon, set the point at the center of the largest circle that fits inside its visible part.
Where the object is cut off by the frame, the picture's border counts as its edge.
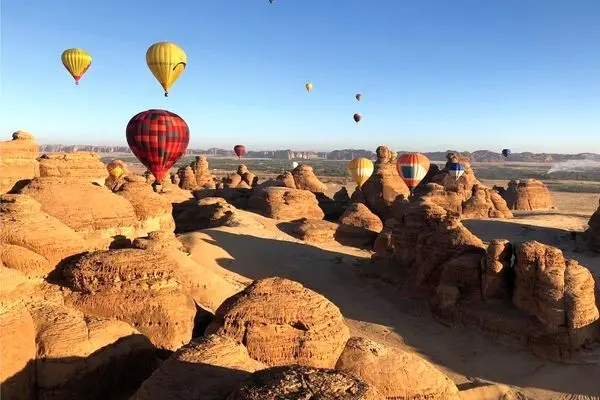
(357, 117)
(360, 169)
(116, 169)
(271, 1)
(456, 170)
(358, 96)
(240, 150)
(309, 87)
(505, 152)
(294, 165)
(412, 168)
(77, 62)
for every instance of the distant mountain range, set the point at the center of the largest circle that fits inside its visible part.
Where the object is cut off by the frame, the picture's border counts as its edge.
(346, 154)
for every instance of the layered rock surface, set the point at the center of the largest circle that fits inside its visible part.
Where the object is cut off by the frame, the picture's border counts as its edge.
(18, 160)
(285, 204)
(527, 195)
(592, 234)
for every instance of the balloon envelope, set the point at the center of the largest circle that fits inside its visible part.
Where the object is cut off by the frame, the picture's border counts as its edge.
(239, 150)
(456, 170)
(358, 96)
(77, 62)
(294, 164)
(158, 138)
(412, 167)
(166, 61)
(116, 169)
(505, 152)
(357, 117)
(309, 86)
(360, 169)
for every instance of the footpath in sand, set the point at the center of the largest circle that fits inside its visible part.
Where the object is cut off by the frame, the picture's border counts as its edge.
(378, 311)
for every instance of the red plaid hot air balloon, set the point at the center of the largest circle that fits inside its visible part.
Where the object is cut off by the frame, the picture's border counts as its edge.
(240, 150)
(412, 167)
(158, 138)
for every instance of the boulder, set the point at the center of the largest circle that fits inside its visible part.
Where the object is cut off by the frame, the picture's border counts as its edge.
(207, 368)
(78, 166)
(248, 177)
(305, 179)
(485, 203)
(288, 180)
(187, 179)
(18, 161)
(357, 214)
(300, 382)
(285, 204)
(320, 231)
(592, 234)
(528, 195)
(212, 212)
(153, 211)
(384, 186)
(202, 174)
(397, 374)
(281, 322)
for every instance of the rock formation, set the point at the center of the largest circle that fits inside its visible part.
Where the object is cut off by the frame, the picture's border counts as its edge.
(208, 368)
(187, 178)
(397, 374)
(18, 161)
(212, 212)
(204, 178)
(78, 166)
(320, 231)
(285, 204)
(281, 323)
(592, 235)
(357, 214)
(288, 180)
(529, 194)
(248, 177)
(384, 186)
(305, 179)
(298, 382)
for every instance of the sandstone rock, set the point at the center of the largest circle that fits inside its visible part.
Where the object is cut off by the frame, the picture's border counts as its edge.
(592, 235)
(357, 214)
(497, 276)
(212, 212)
(449, 200)
(397, 374)
(485, 203)
(208, 368)
(288, 180)
(285, 204)
(333, 209)
(384, 244)
(305, 179)
(153, 211)
(247, 177)
(281, 322)
(320, 231)
(231, 181)
(342, 195)
(300, 382)
(84, 167)
(187, 179)
(204, 178)
(529, 194)
(32, 241)
(384, 186)
(18, 161)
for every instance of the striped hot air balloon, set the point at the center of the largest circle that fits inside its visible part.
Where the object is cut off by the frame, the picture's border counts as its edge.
(360, 169)
(456, 170)
(412, 167)
(158, 138)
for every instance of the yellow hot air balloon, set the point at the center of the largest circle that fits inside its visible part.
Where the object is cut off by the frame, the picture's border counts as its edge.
(116, 169)
(166, 61)
(360, 169)
(77, 62)
(309, 86)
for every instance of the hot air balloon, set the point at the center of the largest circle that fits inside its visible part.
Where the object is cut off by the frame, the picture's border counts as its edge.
(271, 1)
(309, 86)
(505, 152)
(294, 164)
(158, 138)
(357, 117)
(358, 96)
(412, 167)
(116, 169)
(77, 62)
(393, 155)
(240, 150)
(360, 169)
(456, 170)
(166, 61)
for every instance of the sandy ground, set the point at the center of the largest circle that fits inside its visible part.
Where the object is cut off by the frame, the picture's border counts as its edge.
(378, 311)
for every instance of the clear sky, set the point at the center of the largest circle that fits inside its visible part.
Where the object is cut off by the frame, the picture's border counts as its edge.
(435, 74)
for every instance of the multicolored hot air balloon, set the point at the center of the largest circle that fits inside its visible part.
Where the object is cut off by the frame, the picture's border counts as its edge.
(116, 169)
(360, 169)
(77, 62)
(309, 86)
(158, 138)
(294, 164)
(239, 150)
(505, 152)
(412, 167)
(357, 117)
(166, 61)
(456, 170)
(358, 96)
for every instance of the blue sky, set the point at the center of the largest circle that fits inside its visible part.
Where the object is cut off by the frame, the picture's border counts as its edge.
(435, 74)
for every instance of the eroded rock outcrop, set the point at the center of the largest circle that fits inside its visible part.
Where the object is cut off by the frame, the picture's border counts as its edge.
(357, 214)
(202, 174)
(300, 382)
(592, 234)
(384, 186)
(305, 179)
(77, 166)
(281, 322)
(285, 204)
(153, 211)
(18, 160)
(528, 195)
(320, 231)
(207, 368)
(212, 212)
(397, 374)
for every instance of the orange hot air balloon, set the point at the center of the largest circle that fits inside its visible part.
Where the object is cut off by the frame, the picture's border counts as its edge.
(116, 169)
(412, 167)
